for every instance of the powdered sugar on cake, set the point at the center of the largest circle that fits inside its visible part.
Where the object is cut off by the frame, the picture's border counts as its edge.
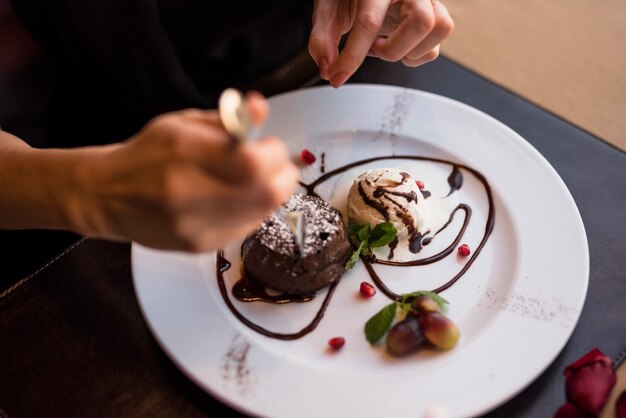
(321, 224)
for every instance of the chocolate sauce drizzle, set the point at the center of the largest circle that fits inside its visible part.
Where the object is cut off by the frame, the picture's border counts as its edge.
(455, 180)
(415, 237)
(223, 265)
(368, 261)
(244, 290)
(392, 247)
(247, 290)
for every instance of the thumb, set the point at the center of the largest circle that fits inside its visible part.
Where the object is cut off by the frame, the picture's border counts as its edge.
(257, 106)
(325, 37)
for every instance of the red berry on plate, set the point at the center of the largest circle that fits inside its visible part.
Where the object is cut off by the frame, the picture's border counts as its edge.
(420, 184)
(307, 157)
(336, 343)
(367, 290)
(464, 250)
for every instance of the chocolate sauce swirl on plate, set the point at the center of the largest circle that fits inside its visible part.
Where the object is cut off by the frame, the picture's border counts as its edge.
(247, 291)
(223, 265)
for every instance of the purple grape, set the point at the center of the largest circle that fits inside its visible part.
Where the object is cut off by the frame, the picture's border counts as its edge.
(405, 337)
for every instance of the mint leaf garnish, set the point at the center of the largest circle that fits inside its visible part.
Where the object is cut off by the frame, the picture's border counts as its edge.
(355, 255)
(380, 323)
(406, 298)
(364, 233)
(364, 238)
(353, 230)
(382, 235)
(404, 309)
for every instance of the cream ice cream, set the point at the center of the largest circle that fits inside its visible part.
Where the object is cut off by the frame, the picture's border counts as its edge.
(389, 194)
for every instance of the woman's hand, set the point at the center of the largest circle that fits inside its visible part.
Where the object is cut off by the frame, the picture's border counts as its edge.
(182, 183)
(393, 30)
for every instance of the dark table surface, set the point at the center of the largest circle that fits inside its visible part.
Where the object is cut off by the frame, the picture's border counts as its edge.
(73, 342)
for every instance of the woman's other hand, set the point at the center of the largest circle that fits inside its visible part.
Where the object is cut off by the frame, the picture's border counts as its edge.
(393, 30)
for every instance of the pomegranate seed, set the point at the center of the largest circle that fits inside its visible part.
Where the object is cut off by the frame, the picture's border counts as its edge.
(420, 184)
(336, 343)
(464, 250)
(367, 290)
(307, 157)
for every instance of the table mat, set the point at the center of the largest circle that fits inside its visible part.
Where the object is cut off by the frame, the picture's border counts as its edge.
(568, 56)
(23, 251)
(73, 342)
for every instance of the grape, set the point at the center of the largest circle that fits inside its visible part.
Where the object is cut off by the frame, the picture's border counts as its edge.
(424, 303)
(439, 330)
(404, 337)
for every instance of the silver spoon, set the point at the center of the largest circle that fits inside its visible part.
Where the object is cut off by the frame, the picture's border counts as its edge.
(238, 122)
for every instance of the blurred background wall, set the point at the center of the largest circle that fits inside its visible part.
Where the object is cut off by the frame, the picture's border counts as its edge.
(568, 56)
(24, 80)
(24, 96)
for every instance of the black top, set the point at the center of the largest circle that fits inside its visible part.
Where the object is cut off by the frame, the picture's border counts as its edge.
(121, 62)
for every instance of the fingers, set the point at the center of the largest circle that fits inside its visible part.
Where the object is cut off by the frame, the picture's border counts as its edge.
(212, 238)
(209, 147)
(255, 101)
(198, 136)
(215, 213)
(257, 106)
(442, 28)
(255, 162)
(426, 58)
(207, 199)
(417, 20)
(367, 23)
(423, 26)
(325, 36)
(203, 116)
(248, 163)
(188, 137)
(409, 31)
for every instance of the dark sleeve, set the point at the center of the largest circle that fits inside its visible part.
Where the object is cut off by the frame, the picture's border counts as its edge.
(117, 46)
(121, 62)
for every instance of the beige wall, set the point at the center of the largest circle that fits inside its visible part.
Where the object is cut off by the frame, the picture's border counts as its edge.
(568, 56)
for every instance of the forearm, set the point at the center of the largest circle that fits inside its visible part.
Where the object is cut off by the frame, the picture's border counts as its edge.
(177, 184)
(43, 188)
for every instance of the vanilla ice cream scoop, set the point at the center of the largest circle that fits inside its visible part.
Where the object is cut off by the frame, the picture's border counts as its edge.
(388, 194)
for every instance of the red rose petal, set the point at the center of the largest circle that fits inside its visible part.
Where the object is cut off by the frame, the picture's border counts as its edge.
(593, 355)
(620, 406)
(588, 382)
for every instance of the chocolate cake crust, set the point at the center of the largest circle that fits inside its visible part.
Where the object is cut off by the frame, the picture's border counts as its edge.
(271, 256)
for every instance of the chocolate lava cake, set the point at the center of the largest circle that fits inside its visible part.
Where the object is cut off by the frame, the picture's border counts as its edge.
(271, 256)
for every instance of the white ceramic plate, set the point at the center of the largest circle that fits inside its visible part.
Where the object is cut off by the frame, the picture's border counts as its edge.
(516, 306)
